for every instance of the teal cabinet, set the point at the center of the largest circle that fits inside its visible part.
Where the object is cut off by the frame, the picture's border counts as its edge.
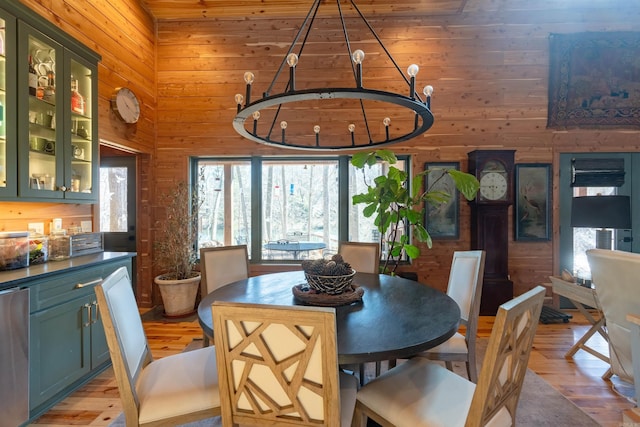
(67, 342)
(48, 90)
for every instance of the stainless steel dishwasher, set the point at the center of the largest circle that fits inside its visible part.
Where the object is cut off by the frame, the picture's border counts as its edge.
(14, 357)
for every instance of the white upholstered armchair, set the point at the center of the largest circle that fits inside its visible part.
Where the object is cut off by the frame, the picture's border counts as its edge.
(616, 278)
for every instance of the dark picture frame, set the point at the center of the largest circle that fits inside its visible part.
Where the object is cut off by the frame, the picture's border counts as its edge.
(442, 220)
(532, 210)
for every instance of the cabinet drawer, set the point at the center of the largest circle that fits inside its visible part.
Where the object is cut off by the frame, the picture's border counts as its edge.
(67, 286)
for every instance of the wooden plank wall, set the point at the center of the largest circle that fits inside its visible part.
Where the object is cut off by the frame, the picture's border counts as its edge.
(488, 64)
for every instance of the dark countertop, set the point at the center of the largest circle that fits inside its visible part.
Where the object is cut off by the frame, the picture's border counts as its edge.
(12, 278)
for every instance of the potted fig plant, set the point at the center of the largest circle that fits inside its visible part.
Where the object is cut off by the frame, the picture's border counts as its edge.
(397, 202)
(176, 251)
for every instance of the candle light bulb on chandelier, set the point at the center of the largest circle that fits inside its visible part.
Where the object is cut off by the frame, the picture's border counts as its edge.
(316, 130)
(412, 71)
(352, 128)
(283, 126)
(386, 123)
(428, 91)
(239, 100)
(256, 116)
(358, 57)
(248, 78)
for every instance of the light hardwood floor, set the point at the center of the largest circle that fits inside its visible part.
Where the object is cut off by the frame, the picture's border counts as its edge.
(578, 378)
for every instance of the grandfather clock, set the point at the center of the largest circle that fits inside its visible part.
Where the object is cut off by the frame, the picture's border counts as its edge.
(489, 223)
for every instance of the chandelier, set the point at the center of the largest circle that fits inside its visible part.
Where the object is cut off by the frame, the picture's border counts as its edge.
(362, 111)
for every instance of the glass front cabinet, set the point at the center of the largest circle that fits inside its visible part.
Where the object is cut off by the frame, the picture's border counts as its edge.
(55, 120)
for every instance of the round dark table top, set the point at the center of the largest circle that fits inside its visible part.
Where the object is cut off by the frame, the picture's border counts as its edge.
(396, 319)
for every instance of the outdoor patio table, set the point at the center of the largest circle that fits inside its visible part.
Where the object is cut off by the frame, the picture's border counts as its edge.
(295, 247)
(397, 318)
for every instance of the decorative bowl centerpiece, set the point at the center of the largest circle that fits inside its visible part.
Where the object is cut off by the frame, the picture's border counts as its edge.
(332, 277)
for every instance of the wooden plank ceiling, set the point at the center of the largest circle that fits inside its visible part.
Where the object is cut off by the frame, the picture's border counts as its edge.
(233, 9)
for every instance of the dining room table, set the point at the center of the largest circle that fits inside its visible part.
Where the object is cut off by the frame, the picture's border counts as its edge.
(395, 318)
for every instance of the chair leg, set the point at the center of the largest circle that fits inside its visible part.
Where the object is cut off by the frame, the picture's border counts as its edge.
(361, 369)
(472, 368)
(449, 365)
(359, 418)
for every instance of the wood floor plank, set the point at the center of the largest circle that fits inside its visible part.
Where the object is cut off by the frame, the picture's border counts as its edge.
(578, 378)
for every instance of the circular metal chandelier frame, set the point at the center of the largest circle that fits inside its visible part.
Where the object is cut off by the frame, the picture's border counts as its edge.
(246, 124)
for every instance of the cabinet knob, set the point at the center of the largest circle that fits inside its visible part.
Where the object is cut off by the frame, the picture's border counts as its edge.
(64, 188)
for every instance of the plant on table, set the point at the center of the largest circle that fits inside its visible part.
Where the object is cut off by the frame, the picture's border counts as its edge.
(397, 202)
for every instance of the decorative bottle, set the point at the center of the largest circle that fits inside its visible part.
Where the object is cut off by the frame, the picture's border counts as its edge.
(77, 100)
(33, 78)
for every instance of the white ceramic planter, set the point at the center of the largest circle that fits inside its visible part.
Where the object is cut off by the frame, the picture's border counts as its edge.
(178, 296)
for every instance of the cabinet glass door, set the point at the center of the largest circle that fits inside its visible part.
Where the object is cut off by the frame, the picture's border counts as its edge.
(46, 147)
(80, 173)
(3, 104)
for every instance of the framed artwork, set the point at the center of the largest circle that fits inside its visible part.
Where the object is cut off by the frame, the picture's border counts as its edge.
(533, 201)
(441, 220)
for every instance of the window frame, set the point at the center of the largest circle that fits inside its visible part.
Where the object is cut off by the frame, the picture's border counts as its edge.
(256, 164)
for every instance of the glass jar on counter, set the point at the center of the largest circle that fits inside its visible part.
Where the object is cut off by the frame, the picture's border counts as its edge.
(38, 248)
(59, 245)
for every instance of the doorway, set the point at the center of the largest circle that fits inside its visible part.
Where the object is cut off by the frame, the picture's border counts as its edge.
(118, 203)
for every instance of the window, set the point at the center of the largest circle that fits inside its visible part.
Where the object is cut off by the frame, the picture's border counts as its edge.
(284, 209)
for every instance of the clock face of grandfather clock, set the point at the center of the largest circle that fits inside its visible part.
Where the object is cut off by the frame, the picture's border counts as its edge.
(490, 223)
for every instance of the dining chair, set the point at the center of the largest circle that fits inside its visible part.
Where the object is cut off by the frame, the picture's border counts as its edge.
(465, 288)
(278, 365)
(421, 392)
(364, 257)
(173, 390)
(220, 266)
(614, 275)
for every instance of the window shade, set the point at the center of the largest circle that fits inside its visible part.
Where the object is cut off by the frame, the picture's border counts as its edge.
(597, 172)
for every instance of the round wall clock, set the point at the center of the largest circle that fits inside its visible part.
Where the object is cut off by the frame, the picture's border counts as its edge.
(126, 105)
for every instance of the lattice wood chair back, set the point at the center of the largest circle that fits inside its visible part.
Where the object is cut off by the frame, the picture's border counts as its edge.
(277, 365)
(364, 257)
(506, 359)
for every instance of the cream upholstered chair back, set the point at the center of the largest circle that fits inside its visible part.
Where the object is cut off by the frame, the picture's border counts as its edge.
(465, 288)
(465, 284)
(506, 359)
(363, 257)
(173, 390)
(222, 265)
(615, 276)
(125, 336)
(278, 365)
